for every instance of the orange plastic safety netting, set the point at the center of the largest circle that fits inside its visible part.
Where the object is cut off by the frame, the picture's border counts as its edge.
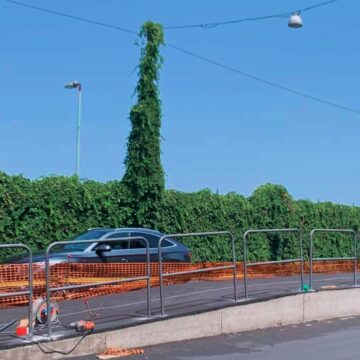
(14, 277)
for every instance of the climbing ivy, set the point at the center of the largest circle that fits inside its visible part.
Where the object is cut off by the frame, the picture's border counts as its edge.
(144, 176)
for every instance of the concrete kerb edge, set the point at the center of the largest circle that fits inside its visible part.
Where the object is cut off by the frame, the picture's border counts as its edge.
(292, 309)
(92, 344)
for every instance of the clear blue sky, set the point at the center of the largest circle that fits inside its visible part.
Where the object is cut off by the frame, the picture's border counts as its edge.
(220, 130)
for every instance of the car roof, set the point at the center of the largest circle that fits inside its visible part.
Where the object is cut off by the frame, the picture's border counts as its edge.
(129, 229)
(141, 230)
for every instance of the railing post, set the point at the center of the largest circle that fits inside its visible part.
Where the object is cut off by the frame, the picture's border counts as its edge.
(234, 264)
(31, 295)
(355, 259)
(47, 284)
(161, 280)
(148, 273)
(245, 265)
(311, 260)
(301, 261)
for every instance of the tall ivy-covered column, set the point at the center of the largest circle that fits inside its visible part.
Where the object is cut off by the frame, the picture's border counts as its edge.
(144, 175)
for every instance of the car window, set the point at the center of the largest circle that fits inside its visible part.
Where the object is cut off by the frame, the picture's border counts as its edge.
(118, 245)
(118, 235)
(92, 234)
(152, 239)
(137, 244)
(74, 247)
(88, 235)
(166, 243)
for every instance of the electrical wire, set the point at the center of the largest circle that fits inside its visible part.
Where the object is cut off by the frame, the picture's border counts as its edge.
(90, 21)
(203, 58)
(257, 18)
(203, 26)
(47, 350)
(264, 81)
(215, 24)
(318, 5)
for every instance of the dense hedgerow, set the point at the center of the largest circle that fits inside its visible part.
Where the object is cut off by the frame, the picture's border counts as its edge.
(53, 208)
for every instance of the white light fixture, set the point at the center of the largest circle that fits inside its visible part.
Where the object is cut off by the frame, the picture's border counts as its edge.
(295, 21)
(73, 85)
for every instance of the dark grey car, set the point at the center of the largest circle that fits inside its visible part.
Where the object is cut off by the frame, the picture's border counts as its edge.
(132, 250)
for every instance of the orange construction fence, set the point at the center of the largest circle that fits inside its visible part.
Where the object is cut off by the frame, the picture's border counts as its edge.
(14, 277)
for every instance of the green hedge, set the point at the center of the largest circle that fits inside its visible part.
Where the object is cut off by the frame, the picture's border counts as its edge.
(54, 208)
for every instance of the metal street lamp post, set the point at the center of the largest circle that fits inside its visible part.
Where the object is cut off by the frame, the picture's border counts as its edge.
(77, 85)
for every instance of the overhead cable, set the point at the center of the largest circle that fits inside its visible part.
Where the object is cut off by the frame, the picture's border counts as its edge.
(248, 19)
(90, 21)
(264, 81)
(203, 58)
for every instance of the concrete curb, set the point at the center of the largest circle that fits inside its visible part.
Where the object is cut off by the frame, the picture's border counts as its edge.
(287, 310)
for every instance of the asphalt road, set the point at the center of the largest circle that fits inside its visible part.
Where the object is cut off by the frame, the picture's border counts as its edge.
(121, 310)
(328, 340)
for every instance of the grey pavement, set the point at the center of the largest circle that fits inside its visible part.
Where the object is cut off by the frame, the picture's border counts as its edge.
(328, 340)
(127, 309)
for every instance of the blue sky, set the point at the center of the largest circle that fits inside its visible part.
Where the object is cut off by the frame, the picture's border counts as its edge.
(220, 130)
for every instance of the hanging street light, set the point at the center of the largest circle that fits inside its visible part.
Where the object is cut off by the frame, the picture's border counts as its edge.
(295, 21)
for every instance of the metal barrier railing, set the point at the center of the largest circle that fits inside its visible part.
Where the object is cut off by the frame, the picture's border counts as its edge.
(30, 281)
(162, 275)
(271, 231)
(69, 287)
(337, 231)
(214, 233)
